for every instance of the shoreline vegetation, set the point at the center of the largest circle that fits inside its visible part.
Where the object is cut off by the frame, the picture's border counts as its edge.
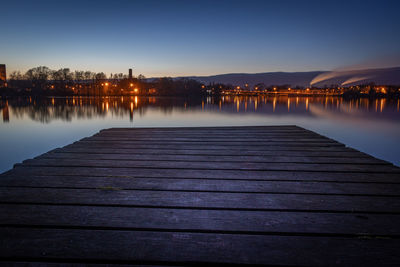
(42, 81)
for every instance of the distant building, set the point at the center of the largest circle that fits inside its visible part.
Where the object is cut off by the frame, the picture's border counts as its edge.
(130, 74)
(3, 75)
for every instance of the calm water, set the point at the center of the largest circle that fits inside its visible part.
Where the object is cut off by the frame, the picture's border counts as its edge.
(31, 127)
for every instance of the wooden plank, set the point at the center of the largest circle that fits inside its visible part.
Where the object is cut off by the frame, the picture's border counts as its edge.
(285, 147)
(213, 137)
(229, 152)
(241, 144)
(205, 185)
(204, 132)
(201, 130)
(212, 128)
(175, 247)
(207, 139)
(210, 140)
(216, 131)
(216, 135)
(206, 127)
(227, 221)
(210, 131)
(207, 174)
(269, 128)
(204, 200)
(346, 153)
(214, 158)
(69, 263)
(213, 165)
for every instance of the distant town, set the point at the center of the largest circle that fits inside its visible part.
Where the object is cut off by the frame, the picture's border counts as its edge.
(42, 81)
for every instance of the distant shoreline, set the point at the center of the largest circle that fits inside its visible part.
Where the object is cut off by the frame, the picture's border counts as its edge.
(350, 95)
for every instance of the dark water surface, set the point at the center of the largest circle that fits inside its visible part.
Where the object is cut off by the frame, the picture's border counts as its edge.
(30, 127)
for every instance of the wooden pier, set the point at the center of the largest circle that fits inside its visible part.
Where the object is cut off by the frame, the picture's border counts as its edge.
(274, 195)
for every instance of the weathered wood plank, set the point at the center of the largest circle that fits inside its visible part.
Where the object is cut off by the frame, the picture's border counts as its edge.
(213, 165)
(213, 132)
(214, 158)
(101, 145)
(256, 222)
(187, 184)
(210, 200)
(213, 128)
(216, 135)
(174, 247)
(213, 137)
(204, 139)
(346, 153)
(207, 174)
(242, 144)
(286, 126)
(67, 263)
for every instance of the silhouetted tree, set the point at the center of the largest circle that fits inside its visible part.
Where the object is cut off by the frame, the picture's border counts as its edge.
(38, 78)
(100, 76)
(88, 75)
(17, 80)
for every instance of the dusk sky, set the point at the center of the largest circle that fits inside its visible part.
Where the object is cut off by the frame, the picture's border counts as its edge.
(175, 38)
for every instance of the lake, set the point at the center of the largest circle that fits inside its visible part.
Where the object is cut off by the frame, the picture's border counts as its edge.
(32, 126)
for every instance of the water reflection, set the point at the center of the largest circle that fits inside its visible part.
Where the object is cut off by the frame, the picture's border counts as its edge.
(47, 109)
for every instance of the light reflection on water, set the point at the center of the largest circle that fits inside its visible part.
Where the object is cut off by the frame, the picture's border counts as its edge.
(32, 126)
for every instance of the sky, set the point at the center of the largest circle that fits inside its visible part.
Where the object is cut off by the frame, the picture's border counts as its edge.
(185, 38)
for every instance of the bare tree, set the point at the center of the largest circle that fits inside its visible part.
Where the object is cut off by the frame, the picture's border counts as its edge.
(38, 78)
(88, 75)
(100, 76)
(78, 75)
(38, 73)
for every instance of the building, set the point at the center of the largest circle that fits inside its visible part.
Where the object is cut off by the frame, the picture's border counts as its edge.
(130, 74)
(3, 75)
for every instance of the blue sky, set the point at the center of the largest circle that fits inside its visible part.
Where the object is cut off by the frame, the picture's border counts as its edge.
(174, 38)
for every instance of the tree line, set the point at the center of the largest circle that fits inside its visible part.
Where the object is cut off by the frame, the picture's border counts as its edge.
(45, 81)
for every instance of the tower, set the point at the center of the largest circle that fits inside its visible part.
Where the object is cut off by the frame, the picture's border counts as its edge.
(130, 73)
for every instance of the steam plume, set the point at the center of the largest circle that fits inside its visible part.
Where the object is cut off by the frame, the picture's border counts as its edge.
(356, 79)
